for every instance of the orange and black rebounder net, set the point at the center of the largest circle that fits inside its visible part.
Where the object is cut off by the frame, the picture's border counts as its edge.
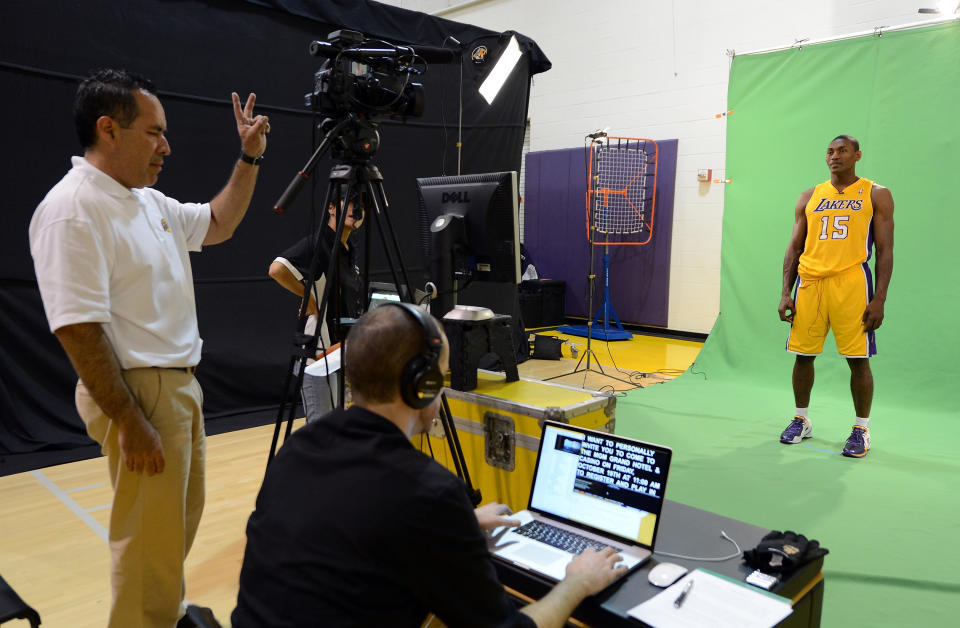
(622, 191)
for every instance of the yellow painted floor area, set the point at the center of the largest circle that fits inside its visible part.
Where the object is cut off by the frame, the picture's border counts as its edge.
(618, 365)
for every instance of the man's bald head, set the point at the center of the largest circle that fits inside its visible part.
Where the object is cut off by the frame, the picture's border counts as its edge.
(378, 347)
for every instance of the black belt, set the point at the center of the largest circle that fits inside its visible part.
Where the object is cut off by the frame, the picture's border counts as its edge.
(186, 369)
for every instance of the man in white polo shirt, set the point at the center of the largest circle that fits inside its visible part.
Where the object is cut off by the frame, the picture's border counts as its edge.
(112, 262)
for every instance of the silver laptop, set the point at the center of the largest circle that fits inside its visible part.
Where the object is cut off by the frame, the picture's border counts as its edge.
(589, 489)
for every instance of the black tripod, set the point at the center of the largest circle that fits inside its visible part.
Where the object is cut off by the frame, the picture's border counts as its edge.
(355, 139)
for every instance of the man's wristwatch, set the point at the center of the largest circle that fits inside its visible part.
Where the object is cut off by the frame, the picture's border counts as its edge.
(253, 161)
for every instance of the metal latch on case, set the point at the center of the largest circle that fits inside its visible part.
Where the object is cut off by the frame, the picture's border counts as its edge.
(499, 441)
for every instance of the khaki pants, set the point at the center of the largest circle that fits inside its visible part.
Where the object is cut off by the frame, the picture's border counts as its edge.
(154, 519)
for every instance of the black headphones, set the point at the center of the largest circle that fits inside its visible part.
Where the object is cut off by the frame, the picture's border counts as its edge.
(421, 380)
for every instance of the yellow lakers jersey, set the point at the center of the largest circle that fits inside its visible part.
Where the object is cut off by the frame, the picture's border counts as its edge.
(839, 229)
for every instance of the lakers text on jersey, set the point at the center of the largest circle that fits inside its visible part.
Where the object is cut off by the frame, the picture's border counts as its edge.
(839, 229)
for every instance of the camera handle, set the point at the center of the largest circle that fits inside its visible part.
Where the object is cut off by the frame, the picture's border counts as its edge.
(304, 174)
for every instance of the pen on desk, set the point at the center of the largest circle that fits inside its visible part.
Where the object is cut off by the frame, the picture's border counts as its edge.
(683, 594)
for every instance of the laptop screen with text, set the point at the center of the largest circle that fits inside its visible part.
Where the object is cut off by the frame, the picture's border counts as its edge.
(612, 484)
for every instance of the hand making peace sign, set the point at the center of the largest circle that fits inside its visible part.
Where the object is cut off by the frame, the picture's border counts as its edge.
(252, 130)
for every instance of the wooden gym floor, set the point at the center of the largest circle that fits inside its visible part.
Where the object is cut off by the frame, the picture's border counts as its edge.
(53, 524)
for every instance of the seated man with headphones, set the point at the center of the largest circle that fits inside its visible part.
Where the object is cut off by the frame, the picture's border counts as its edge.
(355, 527)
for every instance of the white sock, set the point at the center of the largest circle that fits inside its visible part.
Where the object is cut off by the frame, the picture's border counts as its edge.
(802, 412)
(863, 422)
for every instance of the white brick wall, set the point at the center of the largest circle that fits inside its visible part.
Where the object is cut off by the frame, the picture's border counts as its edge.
(658, 69)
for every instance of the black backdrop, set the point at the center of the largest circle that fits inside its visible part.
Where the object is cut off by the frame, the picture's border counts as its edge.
(197, 52)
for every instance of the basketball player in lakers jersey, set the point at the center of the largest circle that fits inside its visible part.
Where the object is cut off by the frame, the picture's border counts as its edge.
(827, 284)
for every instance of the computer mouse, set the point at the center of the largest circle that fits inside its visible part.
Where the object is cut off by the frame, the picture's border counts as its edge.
(665, 574)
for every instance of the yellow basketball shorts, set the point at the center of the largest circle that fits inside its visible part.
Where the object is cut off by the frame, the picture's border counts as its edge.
(833, 303)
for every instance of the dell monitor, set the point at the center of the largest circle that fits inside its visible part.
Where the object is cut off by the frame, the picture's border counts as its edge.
(469, 231)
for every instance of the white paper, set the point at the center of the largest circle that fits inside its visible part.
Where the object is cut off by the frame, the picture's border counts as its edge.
(713, 601)
(319, 368)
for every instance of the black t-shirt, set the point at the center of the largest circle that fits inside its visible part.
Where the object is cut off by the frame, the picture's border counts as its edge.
(350, 304)
(355, 527)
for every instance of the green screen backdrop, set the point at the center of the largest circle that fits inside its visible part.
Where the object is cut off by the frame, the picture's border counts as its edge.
(891, 519)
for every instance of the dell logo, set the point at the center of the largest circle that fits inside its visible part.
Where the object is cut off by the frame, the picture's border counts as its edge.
(456, 197)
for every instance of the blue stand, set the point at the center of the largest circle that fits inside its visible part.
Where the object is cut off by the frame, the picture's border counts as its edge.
(606, 332)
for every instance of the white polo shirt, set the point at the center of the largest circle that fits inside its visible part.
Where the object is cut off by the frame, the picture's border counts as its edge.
(104, 253)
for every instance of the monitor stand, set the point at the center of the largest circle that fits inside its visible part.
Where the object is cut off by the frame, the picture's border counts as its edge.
(472, 340)
(502, 298)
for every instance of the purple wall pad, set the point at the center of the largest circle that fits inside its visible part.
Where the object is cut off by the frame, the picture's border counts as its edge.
(555, 234)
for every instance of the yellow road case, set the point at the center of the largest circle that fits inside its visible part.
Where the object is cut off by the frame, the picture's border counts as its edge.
(499, 424)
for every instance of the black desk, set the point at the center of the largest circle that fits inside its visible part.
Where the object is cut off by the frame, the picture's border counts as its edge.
(691, 532)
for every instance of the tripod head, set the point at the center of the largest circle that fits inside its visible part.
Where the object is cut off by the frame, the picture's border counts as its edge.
(356, 140)
(362, 78)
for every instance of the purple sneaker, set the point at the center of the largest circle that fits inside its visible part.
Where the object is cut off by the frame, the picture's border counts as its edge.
(798, 429)
(858, 444)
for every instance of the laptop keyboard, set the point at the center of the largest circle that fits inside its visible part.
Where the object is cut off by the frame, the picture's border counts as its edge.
(559, 538)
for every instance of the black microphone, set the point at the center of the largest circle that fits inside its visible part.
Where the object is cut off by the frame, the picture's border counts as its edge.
(328, 50)
(433, 54)
(323, 49)
(430, 54)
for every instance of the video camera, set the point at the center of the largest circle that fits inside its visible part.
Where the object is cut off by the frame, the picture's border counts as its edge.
(367, 76)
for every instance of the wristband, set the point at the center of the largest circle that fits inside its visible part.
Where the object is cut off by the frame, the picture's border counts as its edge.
(253, 161)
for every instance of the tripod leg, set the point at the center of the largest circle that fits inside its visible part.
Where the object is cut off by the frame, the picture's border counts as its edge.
(282, 408)
(319, 332)
(453, 442)
(390, 261)
(377, 192)
(306, 345)
(575, 369)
